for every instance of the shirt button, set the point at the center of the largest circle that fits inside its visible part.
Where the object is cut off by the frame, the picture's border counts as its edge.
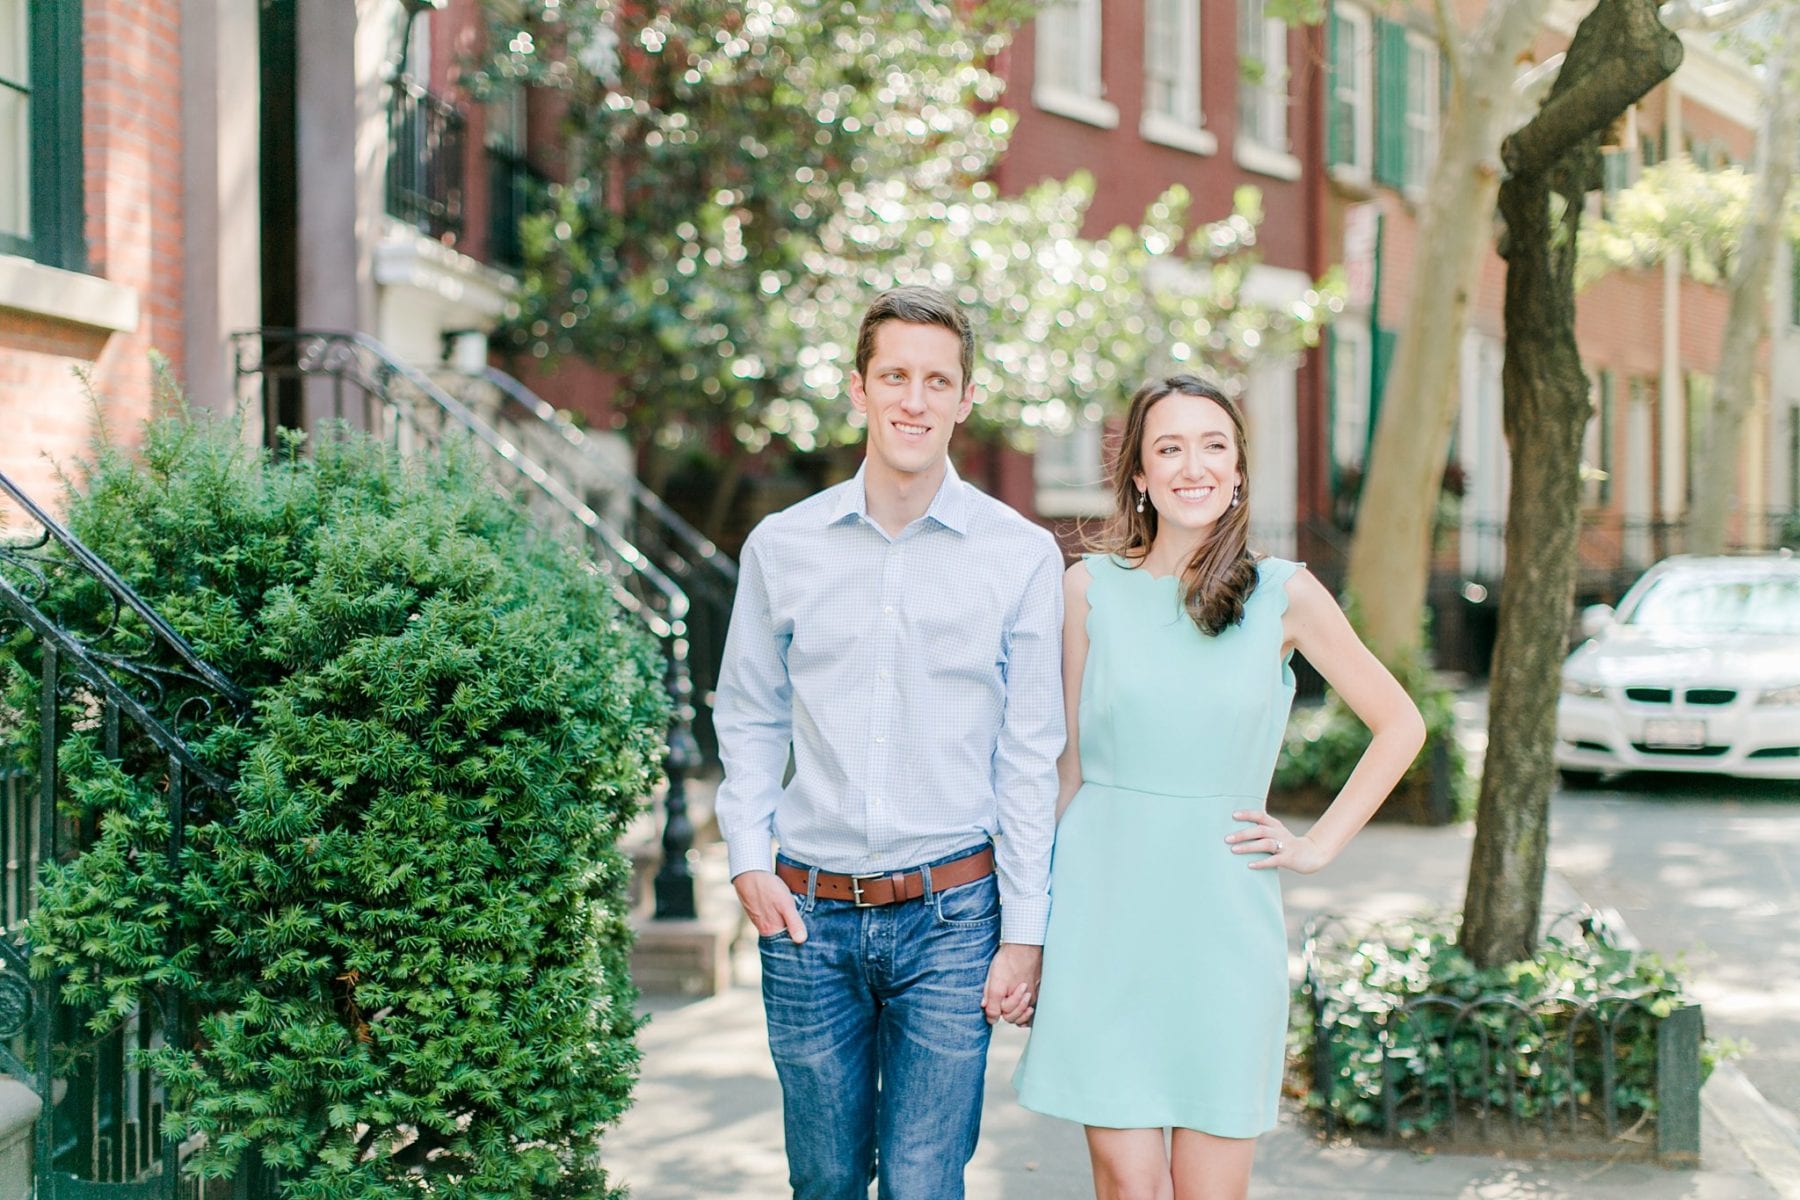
(883, 674)
(888, 609)
(881, 737)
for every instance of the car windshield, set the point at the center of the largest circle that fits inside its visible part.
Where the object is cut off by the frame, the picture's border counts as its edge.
(1716, 604)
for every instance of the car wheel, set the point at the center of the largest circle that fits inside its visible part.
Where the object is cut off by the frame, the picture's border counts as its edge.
(1578, 780)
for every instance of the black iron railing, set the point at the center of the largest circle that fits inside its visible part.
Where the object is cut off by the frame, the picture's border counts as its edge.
(425, 160)
(1499, 1069)
(706, 574)
(362, 383)
(106, 666)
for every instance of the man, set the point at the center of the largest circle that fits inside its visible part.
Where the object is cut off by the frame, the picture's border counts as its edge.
(901, 633)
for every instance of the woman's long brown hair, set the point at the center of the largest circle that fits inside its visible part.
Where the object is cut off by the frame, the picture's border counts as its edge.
(1218, 579)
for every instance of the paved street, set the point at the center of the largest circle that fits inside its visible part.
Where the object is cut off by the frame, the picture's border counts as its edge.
(1710, 867)
(706, 1122)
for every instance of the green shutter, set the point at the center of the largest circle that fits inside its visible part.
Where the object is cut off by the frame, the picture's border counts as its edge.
(57, 236)
(1390, 103)
(1794, 292)
(1335, 150)
(1381, 353)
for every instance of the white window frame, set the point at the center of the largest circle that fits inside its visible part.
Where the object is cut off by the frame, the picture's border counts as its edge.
(1422, 113)
(1172, 66)
(15, 111)
(1069, 471)
(1350, 391)
(1355, 90)
(1262, 141)
(1066, 80)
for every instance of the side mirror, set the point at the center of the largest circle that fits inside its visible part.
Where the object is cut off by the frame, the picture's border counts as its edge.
(1595, 618)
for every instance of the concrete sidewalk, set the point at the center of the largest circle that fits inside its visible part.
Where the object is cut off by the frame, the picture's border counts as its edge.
(706, 1124)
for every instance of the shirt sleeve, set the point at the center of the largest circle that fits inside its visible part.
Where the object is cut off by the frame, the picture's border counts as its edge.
(1031, 738)
(753, 716)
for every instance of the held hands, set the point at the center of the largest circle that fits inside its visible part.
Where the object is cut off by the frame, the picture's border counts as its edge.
(1266, 835)
(769, 904)
(1012, 983)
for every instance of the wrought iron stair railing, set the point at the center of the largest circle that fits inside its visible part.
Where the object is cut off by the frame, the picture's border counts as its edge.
(109, 666)
(607, 482)
(356, 379)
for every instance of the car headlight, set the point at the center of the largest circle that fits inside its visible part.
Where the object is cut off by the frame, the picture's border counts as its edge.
(1584, 688)
(1783, 696)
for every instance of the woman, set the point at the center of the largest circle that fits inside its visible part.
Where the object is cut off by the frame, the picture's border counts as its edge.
(1164, 995)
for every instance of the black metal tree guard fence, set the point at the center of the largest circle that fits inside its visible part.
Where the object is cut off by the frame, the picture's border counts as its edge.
(110, 668)
(352, 378)
(1545, 1069)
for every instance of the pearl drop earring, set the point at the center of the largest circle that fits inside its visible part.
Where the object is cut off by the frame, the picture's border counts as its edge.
(1234, 495)
(1140, 503)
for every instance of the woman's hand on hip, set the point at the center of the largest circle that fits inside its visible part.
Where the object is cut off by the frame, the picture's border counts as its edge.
(1280, 846)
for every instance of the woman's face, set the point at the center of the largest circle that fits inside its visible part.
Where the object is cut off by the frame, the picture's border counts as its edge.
(1188, 461)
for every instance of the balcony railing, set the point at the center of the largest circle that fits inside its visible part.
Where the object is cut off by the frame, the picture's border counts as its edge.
(425, 161)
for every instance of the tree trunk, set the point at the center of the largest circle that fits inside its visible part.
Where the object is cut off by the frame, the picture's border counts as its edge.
(725, 490)
(1555, 161)
(1390, 556)
(1716, 464)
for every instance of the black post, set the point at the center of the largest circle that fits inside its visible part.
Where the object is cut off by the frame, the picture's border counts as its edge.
(675, 879)
(1678, 1087)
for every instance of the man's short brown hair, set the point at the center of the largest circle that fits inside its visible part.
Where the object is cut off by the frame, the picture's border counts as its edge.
(916, 306)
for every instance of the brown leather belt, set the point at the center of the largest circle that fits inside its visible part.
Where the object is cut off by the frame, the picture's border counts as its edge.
(891, 887)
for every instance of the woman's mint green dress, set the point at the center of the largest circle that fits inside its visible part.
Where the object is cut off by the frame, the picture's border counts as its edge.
(1164, 1000)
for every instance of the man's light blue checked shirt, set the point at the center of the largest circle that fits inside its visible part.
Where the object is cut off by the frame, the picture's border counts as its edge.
(918, 680)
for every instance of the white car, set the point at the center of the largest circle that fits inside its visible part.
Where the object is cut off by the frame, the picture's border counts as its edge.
(1698, 670)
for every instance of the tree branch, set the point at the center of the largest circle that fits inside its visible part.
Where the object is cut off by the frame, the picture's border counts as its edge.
(1448, 38)
(1612, 70)
(1709, 18)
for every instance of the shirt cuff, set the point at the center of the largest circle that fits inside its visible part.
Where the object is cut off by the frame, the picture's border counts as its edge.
(750, 852)
(1022, 922)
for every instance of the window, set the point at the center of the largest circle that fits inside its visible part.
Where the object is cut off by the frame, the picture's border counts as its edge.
(1408, 97)
(1615, 177)
(1350, 368)
(1699, 416)
(1067, 79)
(1172, 75)
(1262, 77)
(1794, 284)
(1350, 129)
(1070, 472)
(1422, 98)
(40, 132)
(1597, 444)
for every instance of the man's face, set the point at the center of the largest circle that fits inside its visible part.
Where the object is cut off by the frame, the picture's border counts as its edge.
(912, 397)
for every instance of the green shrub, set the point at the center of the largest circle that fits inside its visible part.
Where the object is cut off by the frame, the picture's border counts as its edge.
(404, 928)
(1324, 743)
(1362, 980)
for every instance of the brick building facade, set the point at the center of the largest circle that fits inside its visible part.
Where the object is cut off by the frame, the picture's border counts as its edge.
(91, 261)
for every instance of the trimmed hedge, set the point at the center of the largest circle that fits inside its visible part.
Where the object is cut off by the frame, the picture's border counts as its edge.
(404, 929)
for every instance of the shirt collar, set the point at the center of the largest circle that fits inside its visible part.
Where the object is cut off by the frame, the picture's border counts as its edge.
(949, 508)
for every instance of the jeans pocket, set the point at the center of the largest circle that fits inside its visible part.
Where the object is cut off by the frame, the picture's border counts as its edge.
(971, 906)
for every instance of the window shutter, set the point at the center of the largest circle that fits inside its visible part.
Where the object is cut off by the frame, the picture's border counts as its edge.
(1335, 150)
(1794, 297)
(1382, 346)
(56, 179)
(1390, 103)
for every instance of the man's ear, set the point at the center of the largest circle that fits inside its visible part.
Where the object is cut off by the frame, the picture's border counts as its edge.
(967, 406)
(859, 399)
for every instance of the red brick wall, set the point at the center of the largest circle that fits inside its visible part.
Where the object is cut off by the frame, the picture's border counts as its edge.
(1129, 172)
(131, 126)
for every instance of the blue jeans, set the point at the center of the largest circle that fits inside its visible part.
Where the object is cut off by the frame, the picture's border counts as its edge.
(878, 1036)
